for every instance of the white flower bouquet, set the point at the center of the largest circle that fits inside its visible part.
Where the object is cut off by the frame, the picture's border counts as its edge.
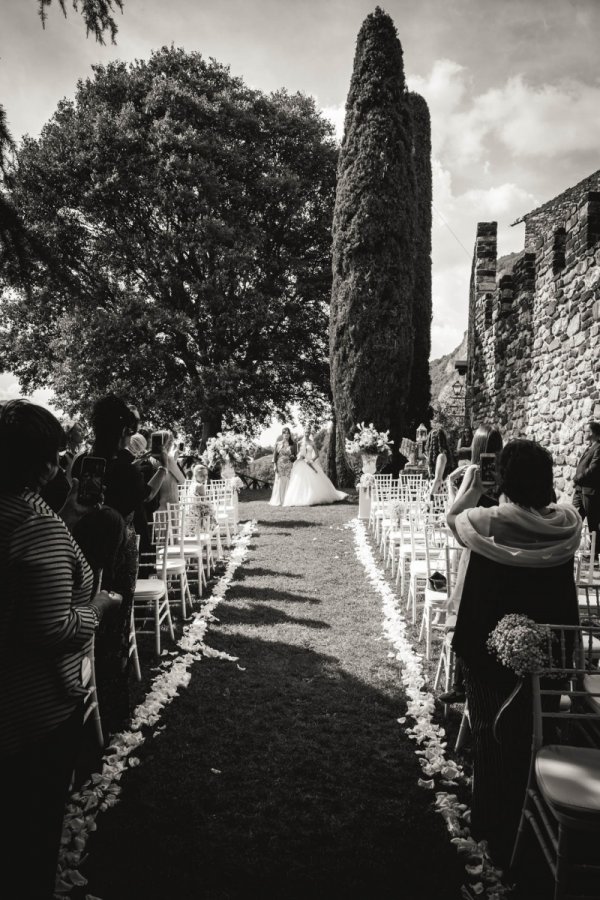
(227, 447)
(520, 644)
(366, 481)
(204, 509)
(368, 440)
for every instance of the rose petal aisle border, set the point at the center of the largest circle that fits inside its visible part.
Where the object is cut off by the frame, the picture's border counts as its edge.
(484, 879)
(102, 790)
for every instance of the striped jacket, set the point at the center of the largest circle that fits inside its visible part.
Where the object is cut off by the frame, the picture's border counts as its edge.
(44, 633)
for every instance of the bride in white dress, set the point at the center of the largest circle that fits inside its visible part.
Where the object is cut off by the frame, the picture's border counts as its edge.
(309, 485)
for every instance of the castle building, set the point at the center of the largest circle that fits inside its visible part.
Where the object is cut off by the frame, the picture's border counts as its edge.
(533, 350)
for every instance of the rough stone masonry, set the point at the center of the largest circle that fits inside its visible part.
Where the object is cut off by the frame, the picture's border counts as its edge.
(533, 348)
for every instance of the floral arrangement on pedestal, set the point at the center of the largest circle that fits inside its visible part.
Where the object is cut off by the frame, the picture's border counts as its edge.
(369, 443)
(227, 450)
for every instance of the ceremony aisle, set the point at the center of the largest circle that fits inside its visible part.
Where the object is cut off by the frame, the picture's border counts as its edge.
(284, 774)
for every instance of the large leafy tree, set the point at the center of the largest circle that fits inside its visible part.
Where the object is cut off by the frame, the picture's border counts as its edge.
(16, 245)
(377, 226)
(192, 218)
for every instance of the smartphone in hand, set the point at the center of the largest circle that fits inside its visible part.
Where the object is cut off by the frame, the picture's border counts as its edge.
(156, 442)
(487, 468)
(89, 491)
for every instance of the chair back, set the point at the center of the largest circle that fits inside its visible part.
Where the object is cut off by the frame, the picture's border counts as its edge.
(571, 672)
(160, 538)
(411, 487)
(584, 559)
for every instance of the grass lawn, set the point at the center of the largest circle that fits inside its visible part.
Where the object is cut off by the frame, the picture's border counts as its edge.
(286, 775)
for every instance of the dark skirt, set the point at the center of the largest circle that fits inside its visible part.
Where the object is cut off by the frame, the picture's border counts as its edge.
(500, 763)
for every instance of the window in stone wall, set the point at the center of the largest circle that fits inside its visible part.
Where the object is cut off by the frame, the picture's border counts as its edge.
(559, 250)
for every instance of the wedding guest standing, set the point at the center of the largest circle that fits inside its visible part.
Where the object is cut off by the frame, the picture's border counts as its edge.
(586, 498)
(169, 492)
(521, 561)
(114, 423)
(283, 459)
(439, 458)
(47, 622)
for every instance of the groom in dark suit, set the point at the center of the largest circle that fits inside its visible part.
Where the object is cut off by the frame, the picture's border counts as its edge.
(586, 498)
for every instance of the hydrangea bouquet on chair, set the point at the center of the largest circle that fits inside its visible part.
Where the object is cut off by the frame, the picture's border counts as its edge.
(521, 645)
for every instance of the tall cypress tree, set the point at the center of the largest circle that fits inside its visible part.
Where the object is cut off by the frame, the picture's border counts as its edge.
(374, 241)
(420, 389)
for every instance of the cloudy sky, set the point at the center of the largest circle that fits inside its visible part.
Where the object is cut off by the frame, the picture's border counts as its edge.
(513, 88)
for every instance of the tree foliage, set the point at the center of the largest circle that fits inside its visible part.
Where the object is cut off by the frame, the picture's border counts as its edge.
(16, 244)
(375, 238)
(419, 398)
(192, 215)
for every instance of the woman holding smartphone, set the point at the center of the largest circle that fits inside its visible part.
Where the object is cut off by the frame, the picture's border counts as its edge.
(521, 561)
(47, 621)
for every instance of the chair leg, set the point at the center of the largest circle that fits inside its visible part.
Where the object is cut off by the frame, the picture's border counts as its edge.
(157, 626)
(561, 864)
(463, 731)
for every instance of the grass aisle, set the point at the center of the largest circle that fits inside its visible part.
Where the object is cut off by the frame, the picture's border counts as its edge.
(290, 779)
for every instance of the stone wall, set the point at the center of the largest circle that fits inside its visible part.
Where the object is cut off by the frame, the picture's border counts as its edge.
(533, 341)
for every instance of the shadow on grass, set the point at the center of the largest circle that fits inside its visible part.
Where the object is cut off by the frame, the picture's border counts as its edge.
(261, 614)
(249, 571)
(264, 593)
(287, 523)
(287, 780)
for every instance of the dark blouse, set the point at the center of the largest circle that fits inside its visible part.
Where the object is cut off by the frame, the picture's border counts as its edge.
(124, 486)
(492, 590)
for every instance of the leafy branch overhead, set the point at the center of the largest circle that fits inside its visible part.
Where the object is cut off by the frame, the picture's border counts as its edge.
(97, 15)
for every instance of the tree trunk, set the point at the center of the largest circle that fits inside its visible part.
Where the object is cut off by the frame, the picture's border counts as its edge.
(212, 424)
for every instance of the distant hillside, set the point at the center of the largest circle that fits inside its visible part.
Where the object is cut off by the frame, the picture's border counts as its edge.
(443, 373)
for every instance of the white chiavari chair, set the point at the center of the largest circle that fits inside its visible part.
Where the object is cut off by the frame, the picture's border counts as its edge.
(436, 602)
(151, 597)
(379, 495)
(427, 555)
(411, 487)
(562, 800)
(220, 494)
(176, 557)
(198, 532)
(585, 573)
(389, 514)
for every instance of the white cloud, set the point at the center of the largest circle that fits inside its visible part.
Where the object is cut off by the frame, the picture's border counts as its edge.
(336, 115)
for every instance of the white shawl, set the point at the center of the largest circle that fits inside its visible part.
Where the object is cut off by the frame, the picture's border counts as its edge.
(516, 536)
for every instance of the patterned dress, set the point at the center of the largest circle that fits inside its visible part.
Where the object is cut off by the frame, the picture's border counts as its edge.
(283, 457)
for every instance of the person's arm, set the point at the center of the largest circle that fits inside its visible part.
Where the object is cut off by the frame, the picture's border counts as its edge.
(590, 476)
(438, 478)
(275, 456)
(154, 485)
(453, 483)
(174, 469)
(467, 498)
(42, 571)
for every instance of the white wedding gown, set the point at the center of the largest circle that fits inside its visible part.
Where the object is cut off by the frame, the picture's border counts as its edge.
(309, 485)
